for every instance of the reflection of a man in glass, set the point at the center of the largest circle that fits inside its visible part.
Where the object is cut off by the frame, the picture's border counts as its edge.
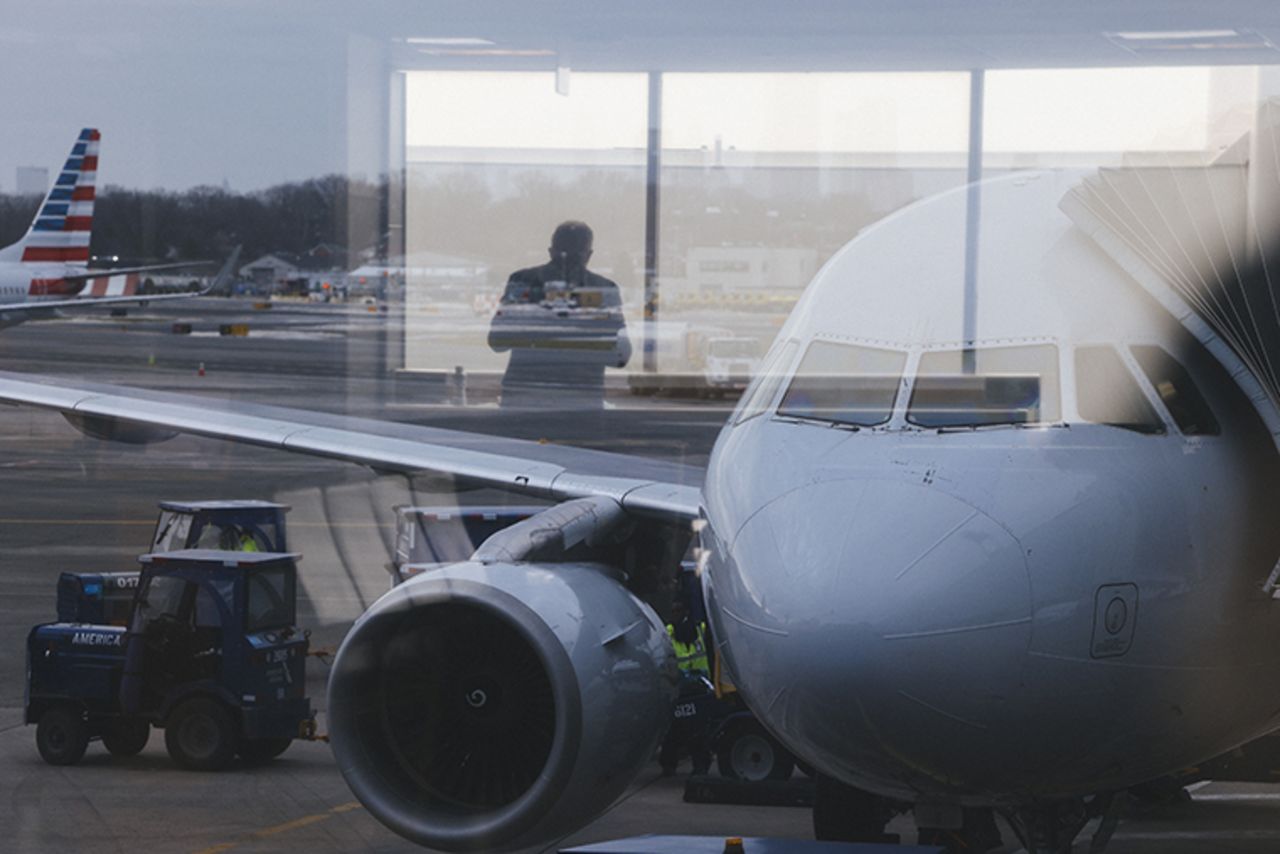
(562, 324)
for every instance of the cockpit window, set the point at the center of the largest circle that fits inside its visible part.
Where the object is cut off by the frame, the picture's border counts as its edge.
(765, 385)
(1002, 385)
(1106, 393)
(1181, 397)
(844, 384)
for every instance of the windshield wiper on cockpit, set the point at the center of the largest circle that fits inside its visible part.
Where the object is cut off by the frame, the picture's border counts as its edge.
(974, 428)
(818, 422)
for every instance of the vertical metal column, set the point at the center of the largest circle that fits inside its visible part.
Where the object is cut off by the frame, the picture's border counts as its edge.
(653, 178)
(973, 217)
(392, 329)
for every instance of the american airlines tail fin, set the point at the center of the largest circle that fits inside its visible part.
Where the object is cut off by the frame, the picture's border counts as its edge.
(62, 227)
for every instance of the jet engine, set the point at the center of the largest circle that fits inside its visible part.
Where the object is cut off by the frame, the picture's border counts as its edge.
(497, 705)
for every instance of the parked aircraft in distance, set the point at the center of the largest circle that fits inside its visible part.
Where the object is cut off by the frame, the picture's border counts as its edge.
(976, 539)
(48, 269)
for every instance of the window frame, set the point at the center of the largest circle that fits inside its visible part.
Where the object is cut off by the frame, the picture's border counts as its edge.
(891, 419)
(1172, 423)
(1121, 350)
(912, 371)
(776, 361)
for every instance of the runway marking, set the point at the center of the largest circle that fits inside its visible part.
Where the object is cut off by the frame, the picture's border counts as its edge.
(296, 824)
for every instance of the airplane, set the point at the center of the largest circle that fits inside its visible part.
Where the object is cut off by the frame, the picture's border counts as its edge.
(47, 271)
(977, 539)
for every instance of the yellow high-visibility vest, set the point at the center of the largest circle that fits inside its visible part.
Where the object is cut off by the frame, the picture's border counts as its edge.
(691, 657)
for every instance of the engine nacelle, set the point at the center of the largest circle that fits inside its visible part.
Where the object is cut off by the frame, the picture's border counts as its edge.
(499, 705)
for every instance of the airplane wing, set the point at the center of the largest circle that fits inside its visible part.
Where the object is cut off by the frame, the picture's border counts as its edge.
(46, 308)
(649, 488)
(125, 271)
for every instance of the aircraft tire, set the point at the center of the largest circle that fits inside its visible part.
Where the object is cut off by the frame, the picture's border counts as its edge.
(201, 735)
(62, 736)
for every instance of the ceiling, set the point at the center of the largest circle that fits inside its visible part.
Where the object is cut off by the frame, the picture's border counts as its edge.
(818, 35)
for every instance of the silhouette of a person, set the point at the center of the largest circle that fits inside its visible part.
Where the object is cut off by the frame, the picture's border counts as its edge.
(563, 325)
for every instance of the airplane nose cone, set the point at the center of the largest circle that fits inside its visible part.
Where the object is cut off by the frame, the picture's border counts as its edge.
(881, 624)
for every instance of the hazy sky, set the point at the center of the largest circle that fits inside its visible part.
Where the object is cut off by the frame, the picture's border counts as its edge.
(183, 92)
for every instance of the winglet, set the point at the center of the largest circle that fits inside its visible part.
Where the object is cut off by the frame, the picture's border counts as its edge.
(221, 285)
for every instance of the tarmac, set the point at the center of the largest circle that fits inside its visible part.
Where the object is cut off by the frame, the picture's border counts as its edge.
(69, 503)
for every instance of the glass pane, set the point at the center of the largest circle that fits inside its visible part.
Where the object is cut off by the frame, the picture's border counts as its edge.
(1106, 393)
(207, 613)
(845, 384)
(760, 394)
(1036, 117)
(162, 597)
(270, 599)
(1181, 397)
(766, 175)
(1006, 385)
(171, 531)
(496, 161)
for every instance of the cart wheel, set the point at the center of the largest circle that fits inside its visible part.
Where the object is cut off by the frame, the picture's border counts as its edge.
(262, 749)
(200, 735)
(749, 753)
(126, 736)
(62, 735)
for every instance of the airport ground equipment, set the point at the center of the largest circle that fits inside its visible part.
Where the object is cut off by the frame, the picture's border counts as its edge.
(712, 362)
(220, 524)
(98, 598)
(105, 598)
(742, 748)
(211, 655)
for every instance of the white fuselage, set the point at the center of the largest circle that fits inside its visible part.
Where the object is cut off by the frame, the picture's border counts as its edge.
(1007, 613)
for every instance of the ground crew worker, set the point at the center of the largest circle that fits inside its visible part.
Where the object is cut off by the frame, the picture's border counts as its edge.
(247, 541)
(237, 539)
(689, 639)
(689, 724)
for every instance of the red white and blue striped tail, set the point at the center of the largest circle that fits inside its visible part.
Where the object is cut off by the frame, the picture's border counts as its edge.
(63, 225)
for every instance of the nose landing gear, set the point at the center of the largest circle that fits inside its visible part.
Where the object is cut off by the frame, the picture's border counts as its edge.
(1052, 828)
(842, 813)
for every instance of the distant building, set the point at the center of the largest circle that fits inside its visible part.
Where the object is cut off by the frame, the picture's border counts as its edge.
(738, 269)
(31, 180)
(270, 272)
